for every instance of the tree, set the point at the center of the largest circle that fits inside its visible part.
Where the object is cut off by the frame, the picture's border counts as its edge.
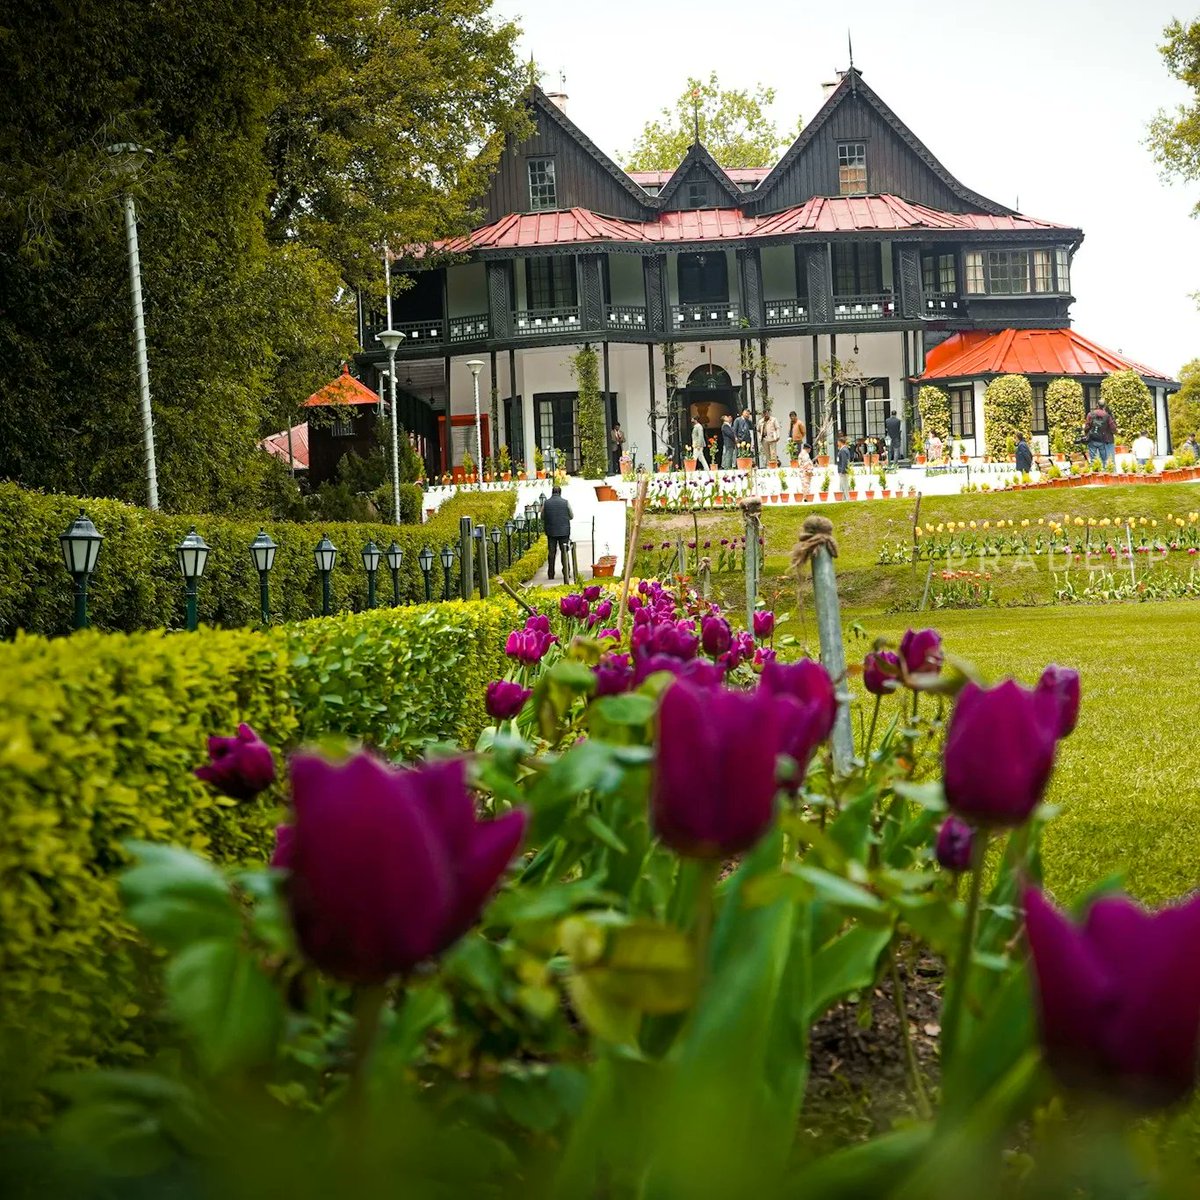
(734, 128)
(1183, 407)
(1064, 413)
(593, 429)
(1175, 136)
(1128, 399)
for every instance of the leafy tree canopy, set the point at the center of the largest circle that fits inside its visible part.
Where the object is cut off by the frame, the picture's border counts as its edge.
(1175, 136)
(734, 128)
(1183, 406)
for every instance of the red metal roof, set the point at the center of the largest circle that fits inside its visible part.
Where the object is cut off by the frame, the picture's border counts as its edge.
(822, 214)
(277, 444)
(345, 389)
(1026, 352)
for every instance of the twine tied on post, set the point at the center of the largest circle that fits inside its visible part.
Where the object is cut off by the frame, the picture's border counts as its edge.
(814, 533)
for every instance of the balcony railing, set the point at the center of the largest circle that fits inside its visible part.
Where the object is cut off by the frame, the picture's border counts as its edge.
(786, 312)
(415, 332)
(626, 316)
(535, 322)
(864, 308)
(704, 316)
(470, 329)
(943, 305)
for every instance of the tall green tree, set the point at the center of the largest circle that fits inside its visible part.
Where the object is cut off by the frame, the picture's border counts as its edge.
(1175, 136)
(1183, 406)
(734, 127)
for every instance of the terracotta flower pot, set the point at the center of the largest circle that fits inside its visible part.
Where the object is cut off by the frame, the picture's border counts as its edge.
(822, 495)
(822, 460)
(799, 497)
(744, 464)
(663, 468)
(689, 464)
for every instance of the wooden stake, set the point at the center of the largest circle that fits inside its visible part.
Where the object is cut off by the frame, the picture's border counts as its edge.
(639, 505)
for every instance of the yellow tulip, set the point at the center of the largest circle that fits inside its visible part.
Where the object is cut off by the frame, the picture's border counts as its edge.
(973, 525)
(1025, 524)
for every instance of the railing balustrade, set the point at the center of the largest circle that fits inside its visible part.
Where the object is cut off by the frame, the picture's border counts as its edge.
(943, 304)
(626, 316)
(713, 314)
(786, 312)
(474, 328)
(881, 307)
(533, 322)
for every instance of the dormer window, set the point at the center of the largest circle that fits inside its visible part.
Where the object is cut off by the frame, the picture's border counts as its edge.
(852, 168)
(698, 194)
(543, 191)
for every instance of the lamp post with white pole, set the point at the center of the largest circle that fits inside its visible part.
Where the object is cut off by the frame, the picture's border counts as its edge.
(128, 158)
(391, 339)
(475, 365)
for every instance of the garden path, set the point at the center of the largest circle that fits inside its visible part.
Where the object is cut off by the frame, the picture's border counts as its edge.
(598, 526)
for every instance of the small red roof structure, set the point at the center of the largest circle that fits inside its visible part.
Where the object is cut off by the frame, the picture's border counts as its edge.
(1027, 352)
(345, 389)
(277, 444)
(821, 214)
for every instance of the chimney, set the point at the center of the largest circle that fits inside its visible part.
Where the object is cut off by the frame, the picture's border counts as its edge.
(558, 98)
(827, 89)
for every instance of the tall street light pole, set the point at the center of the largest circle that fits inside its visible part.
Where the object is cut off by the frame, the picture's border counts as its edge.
(391, 339)
(475, 365)
(128, 158)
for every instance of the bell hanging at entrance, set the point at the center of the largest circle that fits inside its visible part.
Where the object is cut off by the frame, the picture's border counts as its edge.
(712, 383)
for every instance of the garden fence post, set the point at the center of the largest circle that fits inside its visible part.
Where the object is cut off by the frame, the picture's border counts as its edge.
(575, 560)
(816, 544)
(466, 575)
(751, 513)
(484, 589)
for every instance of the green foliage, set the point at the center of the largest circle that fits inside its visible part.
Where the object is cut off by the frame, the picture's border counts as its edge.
(137, 583)
(1064, 413)
(98, 737)
(1007, 412)
(934, 406)
(1183, 406)
(593, 432)
(1175, 136)
(1128, 399)
(734, 128)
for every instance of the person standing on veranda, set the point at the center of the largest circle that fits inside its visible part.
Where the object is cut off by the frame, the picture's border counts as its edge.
(556, 520)
(698, 444)
(728, 443)
(843, 466)
(768, 434)
(616, 447)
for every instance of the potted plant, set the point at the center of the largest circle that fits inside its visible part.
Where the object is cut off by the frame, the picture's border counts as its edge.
(505, 463)
(604, 567)
(793, 453)
(689, 464)
(823, 493)
(744, 459)
(1058, 445)
(539, 462)
(662, 462)
(883, 483)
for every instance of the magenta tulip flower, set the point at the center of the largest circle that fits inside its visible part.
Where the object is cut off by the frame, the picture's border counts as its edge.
(881, 672)
(1118, 997)
(718, 803)
(715, 636)
(807, 706)
(389, 867)
(614, 674)
(281, 856)
(241, 766)
(955, 843)
(504, 699)
(921, 651)
(1063, 684)
(764, 625)
(592, 593)
(999, 753)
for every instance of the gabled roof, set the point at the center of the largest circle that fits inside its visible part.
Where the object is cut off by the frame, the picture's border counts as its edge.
(737, 174)
(276, 444)
(699, 161)
(821, 214)
(853, 84)
(345, 389)
(1027, 352)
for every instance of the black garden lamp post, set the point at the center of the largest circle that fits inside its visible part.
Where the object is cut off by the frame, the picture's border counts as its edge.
(325, 555)
(262, 551)
(519, 526)
(80, 550)
(395, 557)
(192, 553)
(495, 536)
(447, 563)
(425, 561)
(509, 526)
(370, 560)
(530, 518)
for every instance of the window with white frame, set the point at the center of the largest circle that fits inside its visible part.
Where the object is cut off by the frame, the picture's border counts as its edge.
(1039, 408)
(543, 191)
(974, 265)
(1043, 271)
(852, 168)
(1062, 258)
(939, 273)
(1008, 272)
(962, 411)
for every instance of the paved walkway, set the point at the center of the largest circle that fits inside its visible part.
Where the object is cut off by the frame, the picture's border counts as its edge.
(597, 527)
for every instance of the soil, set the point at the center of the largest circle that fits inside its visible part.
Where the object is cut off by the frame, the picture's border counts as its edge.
(858, 1084)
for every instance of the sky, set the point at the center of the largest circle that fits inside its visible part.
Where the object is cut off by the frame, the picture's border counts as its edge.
(1044, 103)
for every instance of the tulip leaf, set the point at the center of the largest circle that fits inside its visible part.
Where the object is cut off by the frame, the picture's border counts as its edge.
(801, 882)
(928, 795)
(545, 904)
(844, 965)
(631, 708)
(933, 919)
(604, 834)
(220, 996)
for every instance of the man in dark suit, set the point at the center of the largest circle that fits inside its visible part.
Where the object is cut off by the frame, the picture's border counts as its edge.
(556, 520)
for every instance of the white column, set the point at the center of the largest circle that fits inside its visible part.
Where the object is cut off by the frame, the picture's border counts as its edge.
(1163, 431)
(526, 414)
(980, 432)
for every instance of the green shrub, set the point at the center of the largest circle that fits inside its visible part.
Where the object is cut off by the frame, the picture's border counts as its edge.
(593, 436)
(137, 583)
(1128, 399)
(934, 406)
(98, 737)
(1007, 412)
(1064, 412)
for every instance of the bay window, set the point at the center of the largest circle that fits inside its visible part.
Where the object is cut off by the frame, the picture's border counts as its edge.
(1042, 271)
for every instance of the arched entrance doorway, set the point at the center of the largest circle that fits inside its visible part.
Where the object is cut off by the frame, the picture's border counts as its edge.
(709, 395)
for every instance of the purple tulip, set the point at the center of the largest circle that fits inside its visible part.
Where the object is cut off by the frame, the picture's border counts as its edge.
(603, 610)
(719, 803)
(715, 636)
(921, 651)
(881, 672)
(614, 674)
(538, 623)
(698, 671)
(240, 767)
(999, 753)
(528, 645)
(1063, 684)
(955, 842)
(504, 699)
(1118, 998)
(574, 606)
(807, 706)
(741, 650)
(764, 625)
(388, 867)
(675, 638)
(591, 593)
(285, 837)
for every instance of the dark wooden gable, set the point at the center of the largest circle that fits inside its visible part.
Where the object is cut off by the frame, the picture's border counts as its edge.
(585, 176)
(701, 169)
(898, 162)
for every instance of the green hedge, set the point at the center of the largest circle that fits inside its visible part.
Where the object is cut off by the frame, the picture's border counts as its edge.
(137, 583)
(934, 406)
(1007, 413)
(98, 737)
(1132, 407)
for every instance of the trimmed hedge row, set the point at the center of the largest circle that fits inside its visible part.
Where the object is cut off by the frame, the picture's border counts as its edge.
(99, 734)
(137, 583)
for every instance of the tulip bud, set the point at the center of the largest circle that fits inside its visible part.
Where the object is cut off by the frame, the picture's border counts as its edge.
(764, 625)
(955, 842)
(999, 753)
(614, 674)
(592, 593)
(504, 699)
(719, 803)
(388, 867)
(921, 651)
(240, 767)
(1063, 684)
(807, 706)
(715, 636)
(881, 672)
